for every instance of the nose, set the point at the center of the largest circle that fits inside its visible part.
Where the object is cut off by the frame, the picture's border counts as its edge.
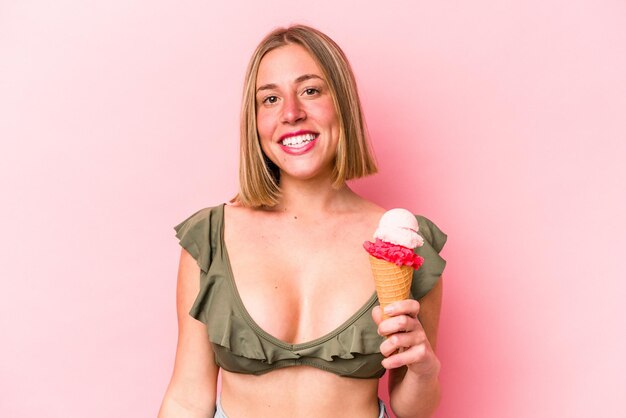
(292, 111)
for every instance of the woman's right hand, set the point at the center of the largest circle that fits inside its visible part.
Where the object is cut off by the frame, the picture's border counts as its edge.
(191, 392)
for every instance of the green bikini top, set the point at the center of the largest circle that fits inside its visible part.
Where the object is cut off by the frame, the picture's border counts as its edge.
(241, 346)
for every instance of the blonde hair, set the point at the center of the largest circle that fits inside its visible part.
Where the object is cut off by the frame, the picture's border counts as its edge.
(258, 176)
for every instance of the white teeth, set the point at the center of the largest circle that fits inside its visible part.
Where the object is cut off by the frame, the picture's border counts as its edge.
(298, 140)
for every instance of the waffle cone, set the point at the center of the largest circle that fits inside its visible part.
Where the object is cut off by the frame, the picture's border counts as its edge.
(393, 282)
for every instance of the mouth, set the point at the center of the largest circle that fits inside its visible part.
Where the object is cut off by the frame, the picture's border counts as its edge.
(297, 139)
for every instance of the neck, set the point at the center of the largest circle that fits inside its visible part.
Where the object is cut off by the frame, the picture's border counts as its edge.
(313, 196)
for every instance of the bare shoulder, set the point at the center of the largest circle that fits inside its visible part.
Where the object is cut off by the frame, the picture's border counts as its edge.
(237, 213)
(365, 210)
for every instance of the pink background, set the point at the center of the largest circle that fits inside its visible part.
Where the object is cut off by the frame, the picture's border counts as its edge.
(504, 119)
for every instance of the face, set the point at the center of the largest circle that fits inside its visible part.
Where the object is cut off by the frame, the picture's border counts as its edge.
(296, 118)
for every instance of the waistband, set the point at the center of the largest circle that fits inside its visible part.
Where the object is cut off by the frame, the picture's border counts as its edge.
(219, 412)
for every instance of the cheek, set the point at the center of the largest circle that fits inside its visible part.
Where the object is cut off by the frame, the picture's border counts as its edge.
(263, 126)
(329, 114)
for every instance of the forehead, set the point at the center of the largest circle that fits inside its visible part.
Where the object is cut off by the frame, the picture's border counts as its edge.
(285, 64)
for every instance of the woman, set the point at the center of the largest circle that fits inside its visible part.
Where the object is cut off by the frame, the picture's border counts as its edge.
(283, 275)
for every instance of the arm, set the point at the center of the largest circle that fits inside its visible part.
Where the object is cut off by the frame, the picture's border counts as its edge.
(192, 389)
(414, 369)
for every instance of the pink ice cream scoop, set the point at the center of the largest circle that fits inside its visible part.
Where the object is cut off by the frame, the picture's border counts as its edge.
(395, 238)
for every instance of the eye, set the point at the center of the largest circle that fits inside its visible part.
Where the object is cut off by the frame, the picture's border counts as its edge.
(310, 91)
(270, 100)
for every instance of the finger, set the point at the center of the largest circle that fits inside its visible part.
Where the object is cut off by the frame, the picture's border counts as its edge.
(412, 355)
(401, 340)
(402, 323)
(409, 307)
(377, 314)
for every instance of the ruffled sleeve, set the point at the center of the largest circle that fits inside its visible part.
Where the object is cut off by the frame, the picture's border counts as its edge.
(428, 274)
(194, 234)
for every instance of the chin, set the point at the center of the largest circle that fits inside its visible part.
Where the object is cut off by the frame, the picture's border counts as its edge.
(303, 174)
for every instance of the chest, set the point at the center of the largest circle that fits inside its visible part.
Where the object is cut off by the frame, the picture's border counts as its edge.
(299, 281)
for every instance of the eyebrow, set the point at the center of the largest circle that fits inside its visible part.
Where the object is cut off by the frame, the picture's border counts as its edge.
(300, 79)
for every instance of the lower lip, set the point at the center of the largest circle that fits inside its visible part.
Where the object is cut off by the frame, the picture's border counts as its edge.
(299, 151)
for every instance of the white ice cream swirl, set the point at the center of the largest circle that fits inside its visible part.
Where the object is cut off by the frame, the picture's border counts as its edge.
(399, 226)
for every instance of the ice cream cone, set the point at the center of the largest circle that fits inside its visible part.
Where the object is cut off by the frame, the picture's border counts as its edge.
(393, 282)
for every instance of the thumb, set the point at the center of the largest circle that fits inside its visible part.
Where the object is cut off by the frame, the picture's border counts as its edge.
(377, 315)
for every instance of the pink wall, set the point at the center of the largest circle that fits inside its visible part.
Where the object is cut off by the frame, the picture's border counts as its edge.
(505, 121)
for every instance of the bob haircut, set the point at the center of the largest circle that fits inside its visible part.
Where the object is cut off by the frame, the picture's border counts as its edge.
(259, 177)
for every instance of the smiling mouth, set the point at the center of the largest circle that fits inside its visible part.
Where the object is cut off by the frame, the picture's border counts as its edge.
(298, 141)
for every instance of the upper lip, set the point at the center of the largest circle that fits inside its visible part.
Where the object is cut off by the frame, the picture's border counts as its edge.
(296, 133)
